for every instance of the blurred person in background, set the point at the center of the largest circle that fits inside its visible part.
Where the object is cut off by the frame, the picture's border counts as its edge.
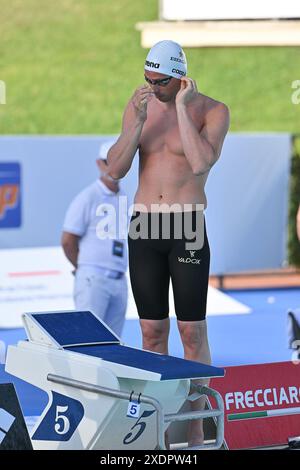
(100, 263)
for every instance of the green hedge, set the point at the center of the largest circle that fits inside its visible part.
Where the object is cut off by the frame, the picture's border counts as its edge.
(293, 242)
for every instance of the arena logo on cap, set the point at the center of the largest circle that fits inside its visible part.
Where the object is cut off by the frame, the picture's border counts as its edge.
(154, 65)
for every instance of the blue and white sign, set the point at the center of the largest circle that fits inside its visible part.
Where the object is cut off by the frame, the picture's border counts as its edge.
(133, 410)
(61, 420)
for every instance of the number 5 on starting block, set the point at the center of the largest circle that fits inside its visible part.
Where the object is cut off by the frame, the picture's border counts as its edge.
(133, 410)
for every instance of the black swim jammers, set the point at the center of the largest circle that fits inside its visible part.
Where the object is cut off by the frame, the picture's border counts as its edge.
(163, 246)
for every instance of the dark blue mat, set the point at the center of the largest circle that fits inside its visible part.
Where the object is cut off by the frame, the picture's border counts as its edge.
(169, 367)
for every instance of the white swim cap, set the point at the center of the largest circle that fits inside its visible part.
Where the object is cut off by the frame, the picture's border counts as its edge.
(167, 57)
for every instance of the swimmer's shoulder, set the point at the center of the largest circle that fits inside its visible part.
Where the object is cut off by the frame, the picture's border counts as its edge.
(207, 106)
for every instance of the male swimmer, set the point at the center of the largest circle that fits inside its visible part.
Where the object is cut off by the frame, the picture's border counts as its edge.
(179, 133)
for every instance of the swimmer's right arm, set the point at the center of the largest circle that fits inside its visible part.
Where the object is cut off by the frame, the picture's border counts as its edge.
(121, 154)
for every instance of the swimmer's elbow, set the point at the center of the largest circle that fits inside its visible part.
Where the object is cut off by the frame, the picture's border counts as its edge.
(202, 167)
(118, 172)
(117, 168)
(117, 175)
(201, 170)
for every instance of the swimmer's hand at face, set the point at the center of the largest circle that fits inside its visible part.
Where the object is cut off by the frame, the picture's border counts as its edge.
(187, 92)
(140, 99)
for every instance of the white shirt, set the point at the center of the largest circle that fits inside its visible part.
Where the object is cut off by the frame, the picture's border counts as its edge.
(92, 213)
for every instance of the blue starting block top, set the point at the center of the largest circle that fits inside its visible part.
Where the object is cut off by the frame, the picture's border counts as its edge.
(169, 367)
(70, 328)
(83, 333)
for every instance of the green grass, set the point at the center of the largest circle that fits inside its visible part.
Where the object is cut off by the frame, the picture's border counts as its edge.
(70, 66)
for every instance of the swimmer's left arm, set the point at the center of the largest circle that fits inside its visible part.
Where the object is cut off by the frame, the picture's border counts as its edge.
(213, 132)
(202, 149)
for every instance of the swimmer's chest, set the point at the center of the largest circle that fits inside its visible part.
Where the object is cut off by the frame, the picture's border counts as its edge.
(161, 133)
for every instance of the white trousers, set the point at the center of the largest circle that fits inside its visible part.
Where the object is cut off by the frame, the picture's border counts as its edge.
(105, 297)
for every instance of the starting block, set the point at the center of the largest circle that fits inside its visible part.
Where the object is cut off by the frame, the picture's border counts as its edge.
(104, 395)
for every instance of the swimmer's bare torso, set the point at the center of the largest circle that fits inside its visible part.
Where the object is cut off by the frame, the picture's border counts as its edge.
(167, 177)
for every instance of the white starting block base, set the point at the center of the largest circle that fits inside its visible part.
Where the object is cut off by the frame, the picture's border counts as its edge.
(93, 380)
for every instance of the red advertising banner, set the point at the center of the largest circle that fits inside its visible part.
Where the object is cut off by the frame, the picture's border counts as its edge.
(262, 404)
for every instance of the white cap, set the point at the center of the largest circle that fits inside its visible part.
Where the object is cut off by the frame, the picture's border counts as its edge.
(167, 57)
(105, 147)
